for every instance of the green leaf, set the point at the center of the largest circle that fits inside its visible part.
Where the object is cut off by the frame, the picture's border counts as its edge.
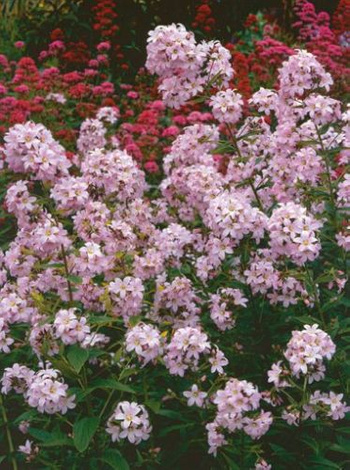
(340, 449)
(84, 431)
(102, 319)
(304, 319)
(75, 279)
(58, 442)
(345, 301)
(175, 427)
(127, 372)
(115, 459)
(134, 320)
(50, 439)
(323, 463)
(62, 365)
(231, 464)
(40, 434)
(110, 383)
(52, 265)
(77, 357)
(312, 443)
(343, 445)
(171, 414)
(345, 430)
(153, 405)
(27, 415)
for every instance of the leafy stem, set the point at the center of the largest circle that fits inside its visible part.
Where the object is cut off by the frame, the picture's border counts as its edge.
(8, 433)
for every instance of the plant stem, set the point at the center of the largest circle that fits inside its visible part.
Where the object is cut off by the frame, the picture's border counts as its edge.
(235, 143)
(328, 169)
(316, 298)
(8, 434)
(106, 403)
(258, 200)
(65, 262)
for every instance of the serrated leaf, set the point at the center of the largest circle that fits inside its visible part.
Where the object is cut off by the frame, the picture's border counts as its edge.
(83, 432)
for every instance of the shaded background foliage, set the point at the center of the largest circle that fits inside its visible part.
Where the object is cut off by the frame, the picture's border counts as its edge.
(34, 20)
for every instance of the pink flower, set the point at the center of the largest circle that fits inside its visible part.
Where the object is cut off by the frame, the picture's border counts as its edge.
(19, 44)
(132, 94)
(195, 396)
(129, 421)
(227, 106)
(151, 167)
(103, 46)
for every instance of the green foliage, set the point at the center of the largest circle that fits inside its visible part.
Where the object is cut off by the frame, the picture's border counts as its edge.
(83, 432)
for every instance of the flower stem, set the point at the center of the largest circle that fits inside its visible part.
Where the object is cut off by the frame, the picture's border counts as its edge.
(65, 262)
(8, 434)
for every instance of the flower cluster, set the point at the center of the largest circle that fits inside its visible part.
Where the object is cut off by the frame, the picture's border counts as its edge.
(292, 233)
(185, 349)
(129, 421)
(180, 285)
(184, 66)
(126, 295)
(227, 106)
(234, 406)
(69, 328)
(222, 304)
(330, 46)
(306, 350)
(146, 341)
(31, 148)
(43, 390)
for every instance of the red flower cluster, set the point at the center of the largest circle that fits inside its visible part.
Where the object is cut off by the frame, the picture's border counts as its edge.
(76, 54)
(267, 57)
(257, 60)
(341, 22)
(106, 24)
(251, 21)
(62, 99)
(204, 20)
(330, 47)
(71, 55)
(105, 18)
(240, 65)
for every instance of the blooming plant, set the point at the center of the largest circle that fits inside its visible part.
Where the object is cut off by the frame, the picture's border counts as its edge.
(199, 321)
